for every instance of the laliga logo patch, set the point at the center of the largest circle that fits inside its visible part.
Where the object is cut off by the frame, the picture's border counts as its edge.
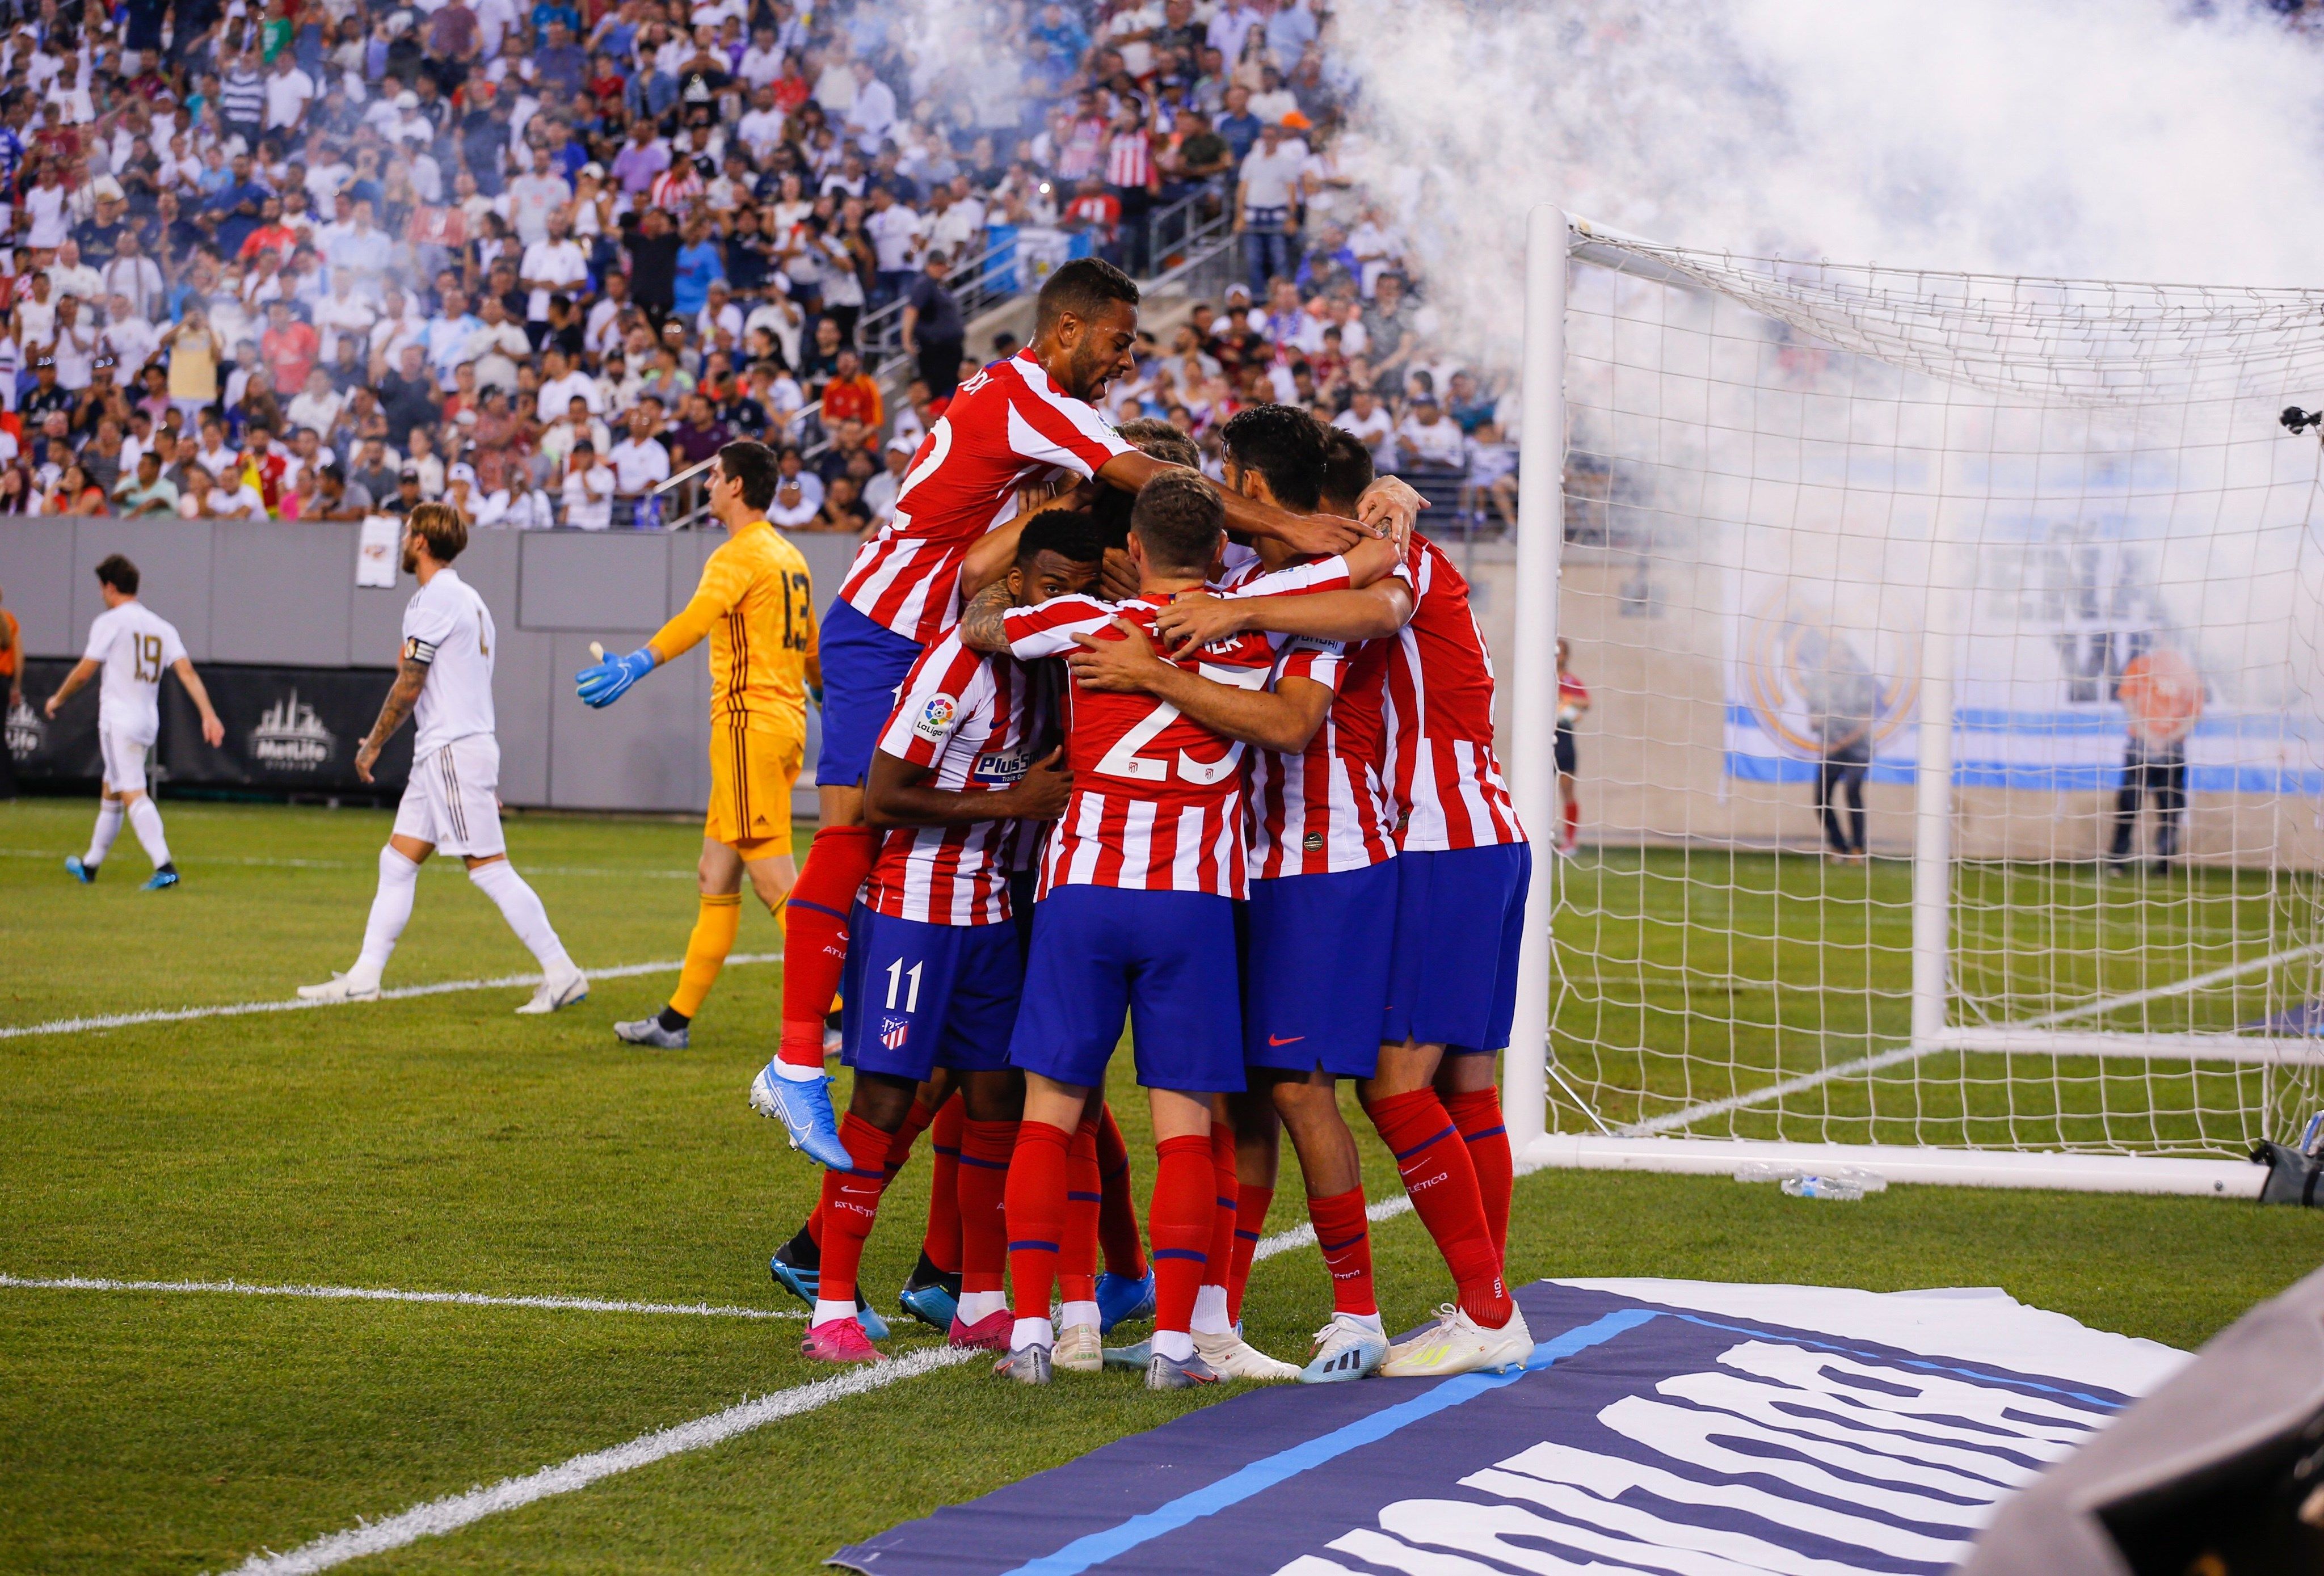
(894, 1031)
(935, 720)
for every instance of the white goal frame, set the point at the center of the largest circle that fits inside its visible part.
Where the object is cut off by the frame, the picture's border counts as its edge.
(1553, 241)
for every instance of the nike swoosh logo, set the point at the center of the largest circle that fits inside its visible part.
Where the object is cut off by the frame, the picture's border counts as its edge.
(1279, 1040)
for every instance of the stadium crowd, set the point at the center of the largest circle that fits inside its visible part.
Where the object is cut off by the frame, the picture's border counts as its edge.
(319, 259)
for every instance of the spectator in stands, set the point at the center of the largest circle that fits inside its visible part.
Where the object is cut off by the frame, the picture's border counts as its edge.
(934, 328)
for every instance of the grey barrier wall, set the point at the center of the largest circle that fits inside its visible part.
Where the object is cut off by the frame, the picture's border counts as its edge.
(283, 594)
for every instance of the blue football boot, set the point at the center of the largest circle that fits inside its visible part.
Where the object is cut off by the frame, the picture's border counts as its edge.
(804, 1107)
(1123, 1301)
(930, 1296)
(795, 1269)
(84, 873)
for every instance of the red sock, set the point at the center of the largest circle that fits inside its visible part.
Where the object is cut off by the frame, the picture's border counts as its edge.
(814, 936)
(1441, 1183)
(1250, 1220)
(1116, 1213)
(981, 1215)
(1077, 1253)
(1035, 1206)
(1477, 1112)
(1217, 1262)
(1184, 1208)
(901, 1141)
(1345, 1237)
(851, 1202)
(1573, 820)
(941, 1242)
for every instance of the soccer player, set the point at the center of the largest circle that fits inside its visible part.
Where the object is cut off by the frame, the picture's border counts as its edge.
(1462, 870)
(756, 604)
(1322, 893)
(1014, 422)
(1135, 913)
(933, 974)
(445, 685)
(133, 645)
(2162, 696)
(1572, 705)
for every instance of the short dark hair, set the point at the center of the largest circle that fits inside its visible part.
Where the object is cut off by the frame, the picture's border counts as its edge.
(1070, 533)
(1348, 468)
(439, 525)
(119, 573)
(1109, 514)
(754, 464)
(1085, 287)
(1179, 518)
(1283, 444)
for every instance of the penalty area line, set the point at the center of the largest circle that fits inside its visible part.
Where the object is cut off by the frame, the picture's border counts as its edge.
(454, 1511)
(402, 994)
(81, 1283)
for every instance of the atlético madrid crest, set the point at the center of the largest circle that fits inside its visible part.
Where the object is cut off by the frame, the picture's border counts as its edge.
(893, 1032)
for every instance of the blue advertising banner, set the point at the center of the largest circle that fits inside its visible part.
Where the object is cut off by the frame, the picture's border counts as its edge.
(1683, 1431)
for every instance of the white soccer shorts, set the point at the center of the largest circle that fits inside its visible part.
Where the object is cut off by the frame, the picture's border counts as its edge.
(452, 799)
(125, 751)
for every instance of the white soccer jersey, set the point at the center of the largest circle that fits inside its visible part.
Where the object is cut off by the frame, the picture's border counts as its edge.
(448, 626)
(137, 646)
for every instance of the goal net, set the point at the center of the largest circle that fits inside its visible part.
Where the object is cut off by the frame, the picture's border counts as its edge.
(1952, 772)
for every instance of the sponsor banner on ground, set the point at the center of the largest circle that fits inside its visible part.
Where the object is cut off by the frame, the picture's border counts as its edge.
(1662, 1426)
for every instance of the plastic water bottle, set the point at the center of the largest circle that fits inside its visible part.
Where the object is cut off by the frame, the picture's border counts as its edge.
(1834, 1187)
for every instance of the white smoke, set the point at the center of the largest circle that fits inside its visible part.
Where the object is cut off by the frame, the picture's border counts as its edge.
(2122, 139)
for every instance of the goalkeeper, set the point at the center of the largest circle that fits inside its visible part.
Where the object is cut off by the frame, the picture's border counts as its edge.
(756, 604)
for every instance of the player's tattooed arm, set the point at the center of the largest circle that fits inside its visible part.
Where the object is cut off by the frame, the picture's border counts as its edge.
(1282, 719)
(402, 696)
(980, 626)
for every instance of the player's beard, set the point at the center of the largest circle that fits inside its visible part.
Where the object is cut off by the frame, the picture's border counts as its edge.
(411, 556)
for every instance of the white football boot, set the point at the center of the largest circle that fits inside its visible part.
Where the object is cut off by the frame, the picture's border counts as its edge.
(1230, 1357)
(1346, 1349)
(341, 988)
(563, 991)
(1458, 1344)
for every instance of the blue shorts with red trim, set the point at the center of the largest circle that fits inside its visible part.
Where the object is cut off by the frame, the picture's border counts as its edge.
(865, 664)
(1316, 969)
(1460, 920)
(918, 996)
(1167, 959)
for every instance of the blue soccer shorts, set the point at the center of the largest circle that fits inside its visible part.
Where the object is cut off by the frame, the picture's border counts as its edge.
(1316, 969)
(1167, 959)
(1460, 920)
(918, 996)
(865, 664)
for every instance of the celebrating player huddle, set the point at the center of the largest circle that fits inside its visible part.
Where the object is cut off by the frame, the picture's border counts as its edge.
(1232, 751)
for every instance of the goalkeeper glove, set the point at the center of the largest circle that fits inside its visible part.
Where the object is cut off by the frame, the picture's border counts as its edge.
(609, 680)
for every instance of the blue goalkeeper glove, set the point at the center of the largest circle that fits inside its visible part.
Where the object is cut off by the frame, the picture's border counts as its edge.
(610, 680)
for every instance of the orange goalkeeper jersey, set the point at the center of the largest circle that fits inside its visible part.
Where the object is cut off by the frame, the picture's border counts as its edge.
(756, 604)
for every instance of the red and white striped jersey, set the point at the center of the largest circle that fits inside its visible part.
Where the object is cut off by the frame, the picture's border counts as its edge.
(1006, 424)
(974, 720)
(1157, 801)
(1325, 808)
(1441, 771)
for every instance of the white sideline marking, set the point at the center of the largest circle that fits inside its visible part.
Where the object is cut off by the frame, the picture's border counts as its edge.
(531, 869)
(2176, 987)
(401, 994)
(455, 1511)
(78, 1283)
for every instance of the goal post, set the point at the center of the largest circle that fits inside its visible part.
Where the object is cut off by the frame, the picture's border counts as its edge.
(2017, 573)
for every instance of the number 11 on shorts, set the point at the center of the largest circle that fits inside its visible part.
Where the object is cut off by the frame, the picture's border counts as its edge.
(897, 975)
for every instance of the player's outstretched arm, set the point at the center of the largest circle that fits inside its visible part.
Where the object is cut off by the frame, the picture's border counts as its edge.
(1373, 612)
(896, 794)
(411, 674)
(82, 672)
(1308, 533)
(213, 730)
(1282, 719)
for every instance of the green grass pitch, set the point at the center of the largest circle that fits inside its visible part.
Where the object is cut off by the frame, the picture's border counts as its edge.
(440, 1143)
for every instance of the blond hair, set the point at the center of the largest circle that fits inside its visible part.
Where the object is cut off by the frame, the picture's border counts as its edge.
(440, 526)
